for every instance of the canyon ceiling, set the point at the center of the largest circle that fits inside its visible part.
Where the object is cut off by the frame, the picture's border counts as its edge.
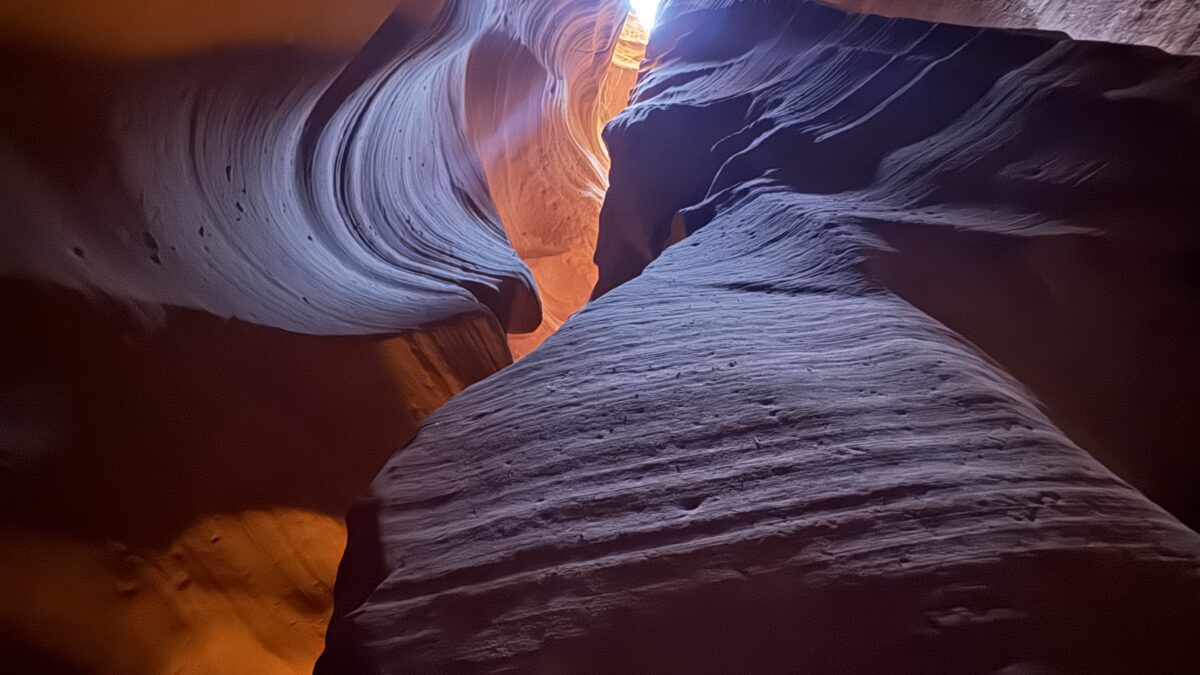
(849, 337)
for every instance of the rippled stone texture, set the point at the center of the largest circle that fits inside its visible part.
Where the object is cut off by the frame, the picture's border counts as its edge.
(1173, 25)
(537, 101)
(764, 448)
(247, 247)
(298, 188)
(1035, 194)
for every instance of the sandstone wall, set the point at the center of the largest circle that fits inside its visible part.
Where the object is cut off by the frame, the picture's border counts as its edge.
(780, 440)
(247, 246)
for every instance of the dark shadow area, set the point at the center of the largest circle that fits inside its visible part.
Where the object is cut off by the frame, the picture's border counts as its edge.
(1018, 616)
(1102, 331)
(131, 429)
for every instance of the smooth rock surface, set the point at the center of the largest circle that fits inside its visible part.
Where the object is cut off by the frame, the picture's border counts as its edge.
(538, 98)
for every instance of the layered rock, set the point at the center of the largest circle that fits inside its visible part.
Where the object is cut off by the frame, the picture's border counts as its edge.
(538, 99)
(248, 246)
(302, 189)
(794, 442)
(1064, 197)
(1173, 25)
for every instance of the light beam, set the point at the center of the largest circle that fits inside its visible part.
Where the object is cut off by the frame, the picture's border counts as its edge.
(646, 11)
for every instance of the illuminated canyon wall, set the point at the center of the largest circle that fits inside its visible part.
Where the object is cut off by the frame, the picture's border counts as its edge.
(540, 145)
(247, 248)
(1101, 158)
(840, 261)
(894, 328)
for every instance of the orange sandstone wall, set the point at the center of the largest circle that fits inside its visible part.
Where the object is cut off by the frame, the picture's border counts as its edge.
(536, 119)
(173, 493)
(248, 247)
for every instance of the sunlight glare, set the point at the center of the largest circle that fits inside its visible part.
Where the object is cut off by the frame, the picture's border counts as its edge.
(646, 11)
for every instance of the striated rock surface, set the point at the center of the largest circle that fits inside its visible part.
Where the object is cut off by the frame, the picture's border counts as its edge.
(794, 443)
(360, 169)
(538, 97)
(246, 248)
(1173, 25)
(1037, 195)
(298, 188)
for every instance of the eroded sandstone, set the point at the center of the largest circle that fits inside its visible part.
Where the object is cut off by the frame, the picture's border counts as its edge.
(770, 445)
(247, 247)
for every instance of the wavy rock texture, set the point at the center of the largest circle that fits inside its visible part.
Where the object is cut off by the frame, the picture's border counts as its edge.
(771, 451)
(544, 94)
(300, 189)
(1173, 25)
(246, 248)
(1065, 197)
(366, 177)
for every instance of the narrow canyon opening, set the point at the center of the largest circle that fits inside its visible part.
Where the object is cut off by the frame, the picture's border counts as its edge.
(551, 215)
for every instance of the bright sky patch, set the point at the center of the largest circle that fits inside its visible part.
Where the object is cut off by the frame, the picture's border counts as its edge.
(646, 11)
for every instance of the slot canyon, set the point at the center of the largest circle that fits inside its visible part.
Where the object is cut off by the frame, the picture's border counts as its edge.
(832, 337)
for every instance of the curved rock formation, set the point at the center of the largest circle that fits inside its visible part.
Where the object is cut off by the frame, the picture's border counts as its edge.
(219, 173)
(1000, 199)
(248, 246)
(538, 97)
(769, 450)
(868, 287)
